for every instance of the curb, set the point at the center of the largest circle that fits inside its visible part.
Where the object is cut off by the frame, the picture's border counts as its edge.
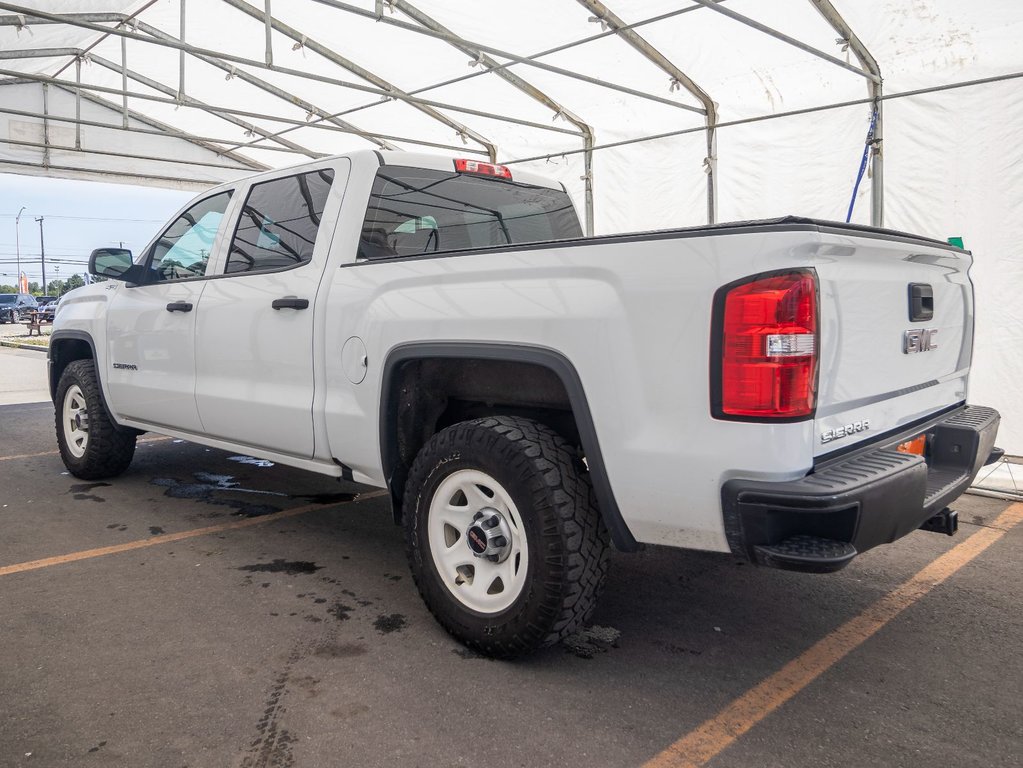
(16, 345)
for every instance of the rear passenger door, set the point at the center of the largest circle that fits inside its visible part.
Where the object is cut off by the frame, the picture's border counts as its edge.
(257, 330)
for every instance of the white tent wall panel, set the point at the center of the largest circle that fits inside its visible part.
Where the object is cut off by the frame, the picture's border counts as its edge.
(803, 165)
(955, 167)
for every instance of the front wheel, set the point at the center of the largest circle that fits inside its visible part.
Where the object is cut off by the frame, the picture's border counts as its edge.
(91, 445)
(503, 534)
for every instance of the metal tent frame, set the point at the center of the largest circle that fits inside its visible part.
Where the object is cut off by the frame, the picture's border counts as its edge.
(266, 131)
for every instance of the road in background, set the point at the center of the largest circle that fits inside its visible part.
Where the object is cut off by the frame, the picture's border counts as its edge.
(22, 376)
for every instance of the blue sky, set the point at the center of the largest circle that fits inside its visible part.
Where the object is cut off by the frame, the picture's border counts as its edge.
(78, 216)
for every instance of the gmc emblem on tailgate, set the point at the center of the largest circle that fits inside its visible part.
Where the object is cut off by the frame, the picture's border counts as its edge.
(919, 340)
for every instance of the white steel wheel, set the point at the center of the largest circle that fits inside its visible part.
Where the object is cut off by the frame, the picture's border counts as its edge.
(503, 535)
(91, 445)
(75, 421)
(478, 541)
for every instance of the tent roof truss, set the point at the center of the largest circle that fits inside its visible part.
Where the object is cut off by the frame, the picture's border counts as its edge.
(273, 138)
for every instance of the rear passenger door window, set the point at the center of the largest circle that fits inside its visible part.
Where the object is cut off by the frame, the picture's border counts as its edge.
(278, 224)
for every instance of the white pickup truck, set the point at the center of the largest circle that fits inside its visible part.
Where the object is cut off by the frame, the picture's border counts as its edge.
(790, 391)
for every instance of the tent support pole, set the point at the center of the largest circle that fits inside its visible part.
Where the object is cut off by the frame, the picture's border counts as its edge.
(78, 102)
(124, 82)
(181, 56)
(678, 79)
(46, 126)
(871, 67)
(269, 36)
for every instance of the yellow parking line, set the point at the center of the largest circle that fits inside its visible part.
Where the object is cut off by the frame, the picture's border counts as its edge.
(57, 453)
(708, 740)
(167, 538)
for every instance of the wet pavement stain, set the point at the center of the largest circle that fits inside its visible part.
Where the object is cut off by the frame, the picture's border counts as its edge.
(340, 611)
(251, 461)
(98, 747)
(325, 498)
(394, 622)
(80, 491)
(210, 484)
(117, 526)
(156, 530)
(86, 487)
(290, 567)
(87, 497)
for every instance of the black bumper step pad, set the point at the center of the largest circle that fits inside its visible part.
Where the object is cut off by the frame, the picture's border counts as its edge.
(810, 554)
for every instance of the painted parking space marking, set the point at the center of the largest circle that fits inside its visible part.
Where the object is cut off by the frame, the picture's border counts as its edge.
(144, 441)
(167, 538)
(708, 740)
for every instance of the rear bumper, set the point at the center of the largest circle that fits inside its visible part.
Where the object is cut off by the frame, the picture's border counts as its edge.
(847, 506)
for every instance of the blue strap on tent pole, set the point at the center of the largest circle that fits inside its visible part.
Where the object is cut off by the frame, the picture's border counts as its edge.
(863, 164)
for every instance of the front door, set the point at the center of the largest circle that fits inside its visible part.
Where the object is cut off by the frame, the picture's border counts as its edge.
(150, 344)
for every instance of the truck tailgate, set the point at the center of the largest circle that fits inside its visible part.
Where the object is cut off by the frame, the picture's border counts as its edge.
(896, 334)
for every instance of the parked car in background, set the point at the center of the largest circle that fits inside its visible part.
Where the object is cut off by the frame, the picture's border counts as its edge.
(14, 307)
(48, 308)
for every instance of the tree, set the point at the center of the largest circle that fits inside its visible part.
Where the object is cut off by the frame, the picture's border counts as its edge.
(75, 281)
(55, 288)
(34, 289)
(8, 289)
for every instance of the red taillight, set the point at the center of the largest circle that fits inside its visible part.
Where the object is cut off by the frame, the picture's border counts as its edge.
(485, 169)
(769, 347)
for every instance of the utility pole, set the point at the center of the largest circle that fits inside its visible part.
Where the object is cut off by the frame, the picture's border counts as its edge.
(42, 252)
(17, 247)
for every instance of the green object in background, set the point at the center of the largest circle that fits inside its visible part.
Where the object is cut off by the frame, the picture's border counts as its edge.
(957, 242)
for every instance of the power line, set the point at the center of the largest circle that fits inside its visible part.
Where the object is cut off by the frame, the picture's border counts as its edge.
(90, 218)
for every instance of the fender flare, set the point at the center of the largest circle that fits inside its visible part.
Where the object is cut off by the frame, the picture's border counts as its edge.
(557, 363)
(51, 373)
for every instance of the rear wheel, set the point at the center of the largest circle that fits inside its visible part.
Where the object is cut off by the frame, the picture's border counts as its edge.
(503, 534)
(91, 445)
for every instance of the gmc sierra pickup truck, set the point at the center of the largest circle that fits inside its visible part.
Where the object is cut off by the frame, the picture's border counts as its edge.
(790, 391)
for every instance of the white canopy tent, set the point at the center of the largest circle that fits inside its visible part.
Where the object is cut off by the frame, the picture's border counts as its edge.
(654, 113)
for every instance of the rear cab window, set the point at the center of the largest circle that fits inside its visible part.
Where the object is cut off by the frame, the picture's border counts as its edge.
(415, 211)
(278, 224)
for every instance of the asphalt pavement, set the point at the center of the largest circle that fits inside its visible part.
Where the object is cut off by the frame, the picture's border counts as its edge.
(210, 609)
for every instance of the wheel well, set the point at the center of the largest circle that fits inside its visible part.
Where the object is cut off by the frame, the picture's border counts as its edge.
(62, 353)
(429, 395)
(431, 385)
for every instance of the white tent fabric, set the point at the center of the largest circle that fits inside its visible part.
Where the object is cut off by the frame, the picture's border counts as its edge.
(953, 161)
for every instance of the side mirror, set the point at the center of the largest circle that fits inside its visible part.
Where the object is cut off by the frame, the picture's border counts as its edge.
(110, 262)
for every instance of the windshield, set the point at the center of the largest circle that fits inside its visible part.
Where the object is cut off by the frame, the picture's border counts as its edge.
(8, 298)
(414, 211)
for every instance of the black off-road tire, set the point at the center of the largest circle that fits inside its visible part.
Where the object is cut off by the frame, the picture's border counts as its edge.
(568, 542)
(109, 449)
